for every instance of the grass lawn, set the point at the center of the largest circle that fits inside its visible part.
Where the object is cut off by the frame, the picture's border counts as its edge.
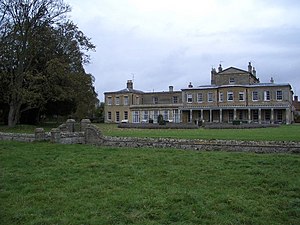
(282, 133)
(43, 183)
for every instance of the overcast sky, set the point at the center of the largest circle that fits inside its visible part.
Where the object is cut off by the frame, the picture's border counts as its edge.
(173, 42)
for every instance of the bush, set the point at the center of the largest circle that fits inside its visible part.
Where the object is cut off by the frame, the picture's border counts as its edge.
(160, 120)
(236, 122)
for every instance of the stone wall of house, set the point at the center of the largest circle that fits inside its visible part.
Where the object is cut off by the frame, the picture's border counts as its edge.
(90, 134)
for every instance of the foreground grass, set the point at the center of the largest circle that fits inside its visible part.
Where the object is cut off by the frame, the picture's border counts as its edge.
(282, 133)
(42, 183)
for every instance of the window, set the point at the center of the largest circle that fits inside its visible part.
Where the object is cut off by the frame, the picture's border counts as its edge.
(175, 99)
(176, 116)
(210, 97)
(241, 96)
(137, 100)
(117, 100)
(155, 116)
(279, 95)
(109, 115)
(279, 116)
(221, 97)
(126, 101)
(155, 100)
(109, 100)
(189, 98)
(230, 96)
(231, 80)
(125, 115)
(267, 95)
(254, 96)
(166, 115)
(117, 116)
(135, 117)
(146, 116)
(199, 97)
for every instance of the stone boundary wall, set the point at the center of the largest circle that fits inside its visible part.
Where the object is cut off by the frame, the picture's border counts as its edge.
(90, 134)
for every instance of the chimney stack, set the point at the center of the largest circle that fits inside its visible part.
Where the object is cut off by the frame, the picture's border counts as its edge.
(296, 98)
(254, 72)
(272, 80)
(190, 85)
(171, 88)
(129, 84)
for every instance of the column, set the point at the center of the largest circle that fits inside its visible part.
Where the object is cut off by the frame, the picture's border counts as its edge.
(221, 116)
(272, 116)
(202, 115)
(191, 115)
(287, 116)
(234, 114)
(179, 115)
(210, 115)
(259, 115)
(249, 115)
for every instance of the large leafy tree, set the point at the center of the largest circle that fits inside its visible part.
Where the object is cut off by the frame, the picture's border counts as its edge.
(41, 59)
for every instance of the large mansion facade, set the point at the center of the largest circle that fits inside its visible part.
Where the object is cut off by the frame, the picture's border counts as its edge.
(234, 94)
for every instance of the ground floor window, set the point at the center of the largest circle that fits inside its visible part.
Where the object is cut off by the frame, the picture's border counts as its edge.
(109, 115)
(135, 117)
(166, 115)
(176, 116)
(279, 116)
(230, 116)
(267, 115)
(255, 115)
(126, 115)
(146, 116)
(155, 115)
(117, 116)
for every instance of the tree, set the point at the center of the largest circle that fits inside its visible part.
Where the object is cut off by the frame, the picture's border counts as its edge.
(41, 58)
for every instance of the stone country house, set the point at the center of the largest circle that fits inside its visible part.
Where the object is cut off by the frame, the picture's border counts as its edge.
(233, 95)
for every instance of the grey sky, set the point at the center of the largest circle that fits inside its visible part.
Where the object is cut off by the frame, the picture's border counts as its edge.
(174, 42)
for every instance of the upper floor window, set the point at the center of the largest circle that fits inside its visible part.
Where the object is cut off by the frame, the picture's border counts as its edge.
(175, 99)
(209, 96)
(109, 100)
(117, 100)
(267, 95)
(230, 96)
(199, 97)
(221, 97)
(155, 100)
(254, 96)
(279, 95)
(231, 80)
(189, 98)
(125, 99)
(241, 96)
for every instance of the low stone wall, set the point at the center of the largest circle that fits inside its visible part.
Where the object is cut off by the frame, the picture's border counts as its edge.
(90, 134)
(17, 137)
(205, 145)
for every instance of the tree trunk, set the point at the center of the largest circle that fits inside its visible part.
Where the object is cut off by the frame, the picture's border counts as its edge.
(13, 114)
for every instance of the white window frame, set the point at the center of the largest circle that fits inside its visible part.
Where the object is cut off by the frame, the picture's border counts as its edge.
(242, 94)
(109, 115)
(210, 97)
(189, 98)
(117, 100)
(255, 94)
(135, 117)
(200, 97)
(155, 100)
(126, 100)
(277, 95)
(109, 100)
(230, 99)
(221, 97)
(231, 80)
(175, 99)
(267, 95)
(125, 115)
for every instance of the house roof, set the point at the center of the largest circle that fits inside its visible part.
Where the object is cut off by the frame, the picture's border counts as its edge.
(126, 90)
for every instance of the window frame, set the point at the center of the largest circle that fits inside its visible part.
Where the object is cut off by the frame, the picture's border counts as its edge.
(230, 93)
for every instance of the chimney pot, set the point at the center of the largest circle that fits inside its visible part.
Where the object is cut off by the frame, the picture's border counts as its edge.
(129, 84)
(171, 88)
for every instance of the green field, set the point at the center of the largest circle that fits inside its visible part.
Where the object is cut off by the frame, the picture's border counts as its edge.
(43, 183)
(282, 133)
